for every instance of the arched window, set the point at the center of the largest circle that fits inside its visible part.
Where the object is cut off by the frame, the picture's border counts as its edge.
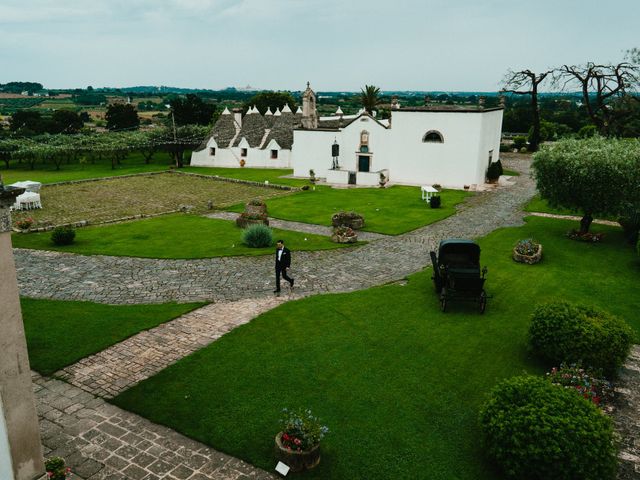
(433, 136)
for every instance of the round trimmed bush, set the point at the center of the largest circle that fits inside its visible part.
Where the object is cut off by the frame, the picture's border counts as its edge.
(535, 430)
(561, 332)
(257, 236)
(63, 235)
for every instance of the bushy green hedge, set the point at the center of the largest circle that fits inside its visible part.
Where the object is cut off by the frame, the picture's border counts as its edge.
(535, 430)
(563, 332)
(63, 235)
(257, 236)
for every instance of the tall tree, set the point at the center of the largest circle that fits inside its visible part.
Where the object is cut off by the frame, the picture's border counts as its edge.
(601, 86)
(370, 98)
(192, 110)
(66, 121)
(526, 82)
(273, 100)
(122, 116)
(597, 176)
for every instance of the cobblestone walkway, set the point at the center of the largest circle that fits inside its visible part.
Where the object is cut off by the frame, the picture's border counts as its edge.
(627, 417)
(102, 442)
(124, 364)
(118, 280)
(299, 226)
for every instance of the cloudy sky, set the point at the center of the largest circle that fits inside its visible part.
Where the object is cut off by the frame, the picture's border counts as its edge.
(451, 45)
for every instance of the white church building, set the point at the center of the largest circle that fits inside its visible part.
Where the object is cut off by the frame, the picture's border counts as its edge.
(450, 145)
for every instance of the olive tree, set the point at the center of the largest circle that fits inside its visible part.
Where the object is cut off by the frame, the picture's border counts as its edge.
(595, 176)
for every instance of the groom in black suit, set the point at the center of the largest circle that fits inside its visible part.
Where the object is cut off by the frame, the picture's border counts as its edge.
(283, 261)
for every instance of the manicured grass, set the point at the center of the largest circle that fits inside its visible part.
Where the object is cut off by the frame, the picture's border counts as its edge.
(115, 198)
(272, 175)
(47, 173)
(398, 382)
(391, 210)
(60, 333)
(170, 236)
(538, 204)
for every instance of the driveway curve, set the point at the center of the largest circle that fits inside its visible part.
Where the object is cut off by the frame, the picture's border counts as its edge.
(124, 280)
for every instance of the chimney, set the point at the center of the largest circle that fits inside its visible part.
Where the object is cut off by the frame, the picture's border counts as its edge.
(481, 101)
(502, 101)
(237, 116)
(394, 103)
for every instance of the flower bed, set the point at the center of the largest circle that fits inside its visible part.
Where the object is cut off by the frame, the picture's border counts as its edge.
(585, 237)
(588, 385)
(527, 251)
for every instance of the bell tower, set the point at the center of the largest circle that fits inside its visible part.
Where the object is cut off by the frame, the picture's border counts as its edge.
(309, 112)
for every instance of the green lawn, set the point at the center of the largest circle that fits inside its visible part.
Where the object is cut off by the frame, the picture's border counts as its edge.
(398, 382)
(511, 173)
(272, 175)
(538, 204)
(170, 236)
(47, 173)
(61, 333)
(391, 210)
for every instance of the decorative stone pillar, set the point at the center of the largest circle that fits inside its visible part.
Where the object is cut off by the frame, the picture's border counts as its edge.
(20, 446)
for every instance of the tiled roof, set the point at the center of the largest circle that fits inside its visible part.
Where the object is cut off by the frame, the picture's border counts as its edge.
(253, 127)
(223, 132)
(282, 130)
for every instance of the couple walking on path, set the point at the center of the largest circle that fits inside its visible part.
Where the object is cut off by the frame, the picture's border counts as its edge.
(283, 261)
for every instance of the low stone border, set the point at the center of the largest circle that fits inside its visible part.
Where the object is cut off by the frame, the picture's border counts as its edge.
(97, 179)
(237, 180)
(162, 172)
(86, 223)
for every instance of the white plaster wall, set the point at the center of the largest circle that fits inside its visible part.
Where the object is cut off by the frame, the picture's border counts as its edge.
(230, 157)
(452, 163)
(367, 178)
(312, 151)
(490, 135)
(461, 160)
(335, 176)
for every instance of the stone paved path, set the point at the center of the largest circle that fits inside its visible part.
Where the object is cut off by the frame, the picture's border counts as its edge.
(119, 367)
(627, 417)
(118, 280)
(102, 442)
(299, 226)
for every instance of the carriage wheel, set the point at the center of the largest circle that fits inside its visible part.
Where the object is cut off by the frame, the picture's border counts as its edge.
(443, 300)
(483, 301)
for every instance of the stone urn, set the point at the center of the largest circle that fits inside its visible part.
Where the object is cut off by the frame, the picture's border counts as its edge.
(297, 461)
(528, 259)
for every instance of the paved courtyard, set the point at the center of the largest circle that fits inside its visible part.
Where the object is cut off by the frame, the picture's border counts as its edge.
(101, 441)
(118, 280)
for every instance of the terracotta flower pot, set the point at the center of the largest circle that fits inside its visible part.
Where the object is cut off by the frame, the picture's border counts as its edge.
(297, 461)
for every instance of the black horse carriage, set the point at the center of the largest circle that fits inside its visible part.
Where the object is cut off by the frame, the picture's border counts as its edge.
(457, 274)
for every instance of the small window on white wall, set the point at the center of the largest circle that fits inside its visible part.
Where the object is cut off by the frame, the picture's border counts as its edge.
(433, 136)
(212, 151)
(274, 154)
(243, 152)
